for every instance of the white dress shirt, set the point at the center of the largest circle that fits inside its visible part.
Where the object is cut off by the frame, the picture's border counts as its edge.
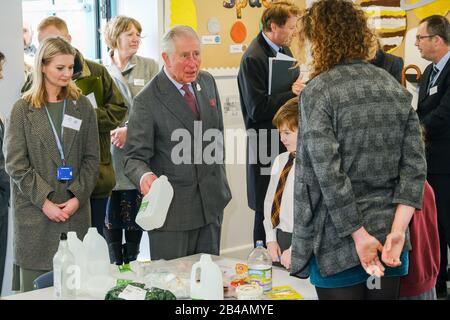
(287, 201)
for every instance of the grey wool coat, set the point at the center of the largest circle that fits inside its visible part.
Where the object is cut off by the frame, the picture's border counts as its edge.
(32, 159)
(359, 155)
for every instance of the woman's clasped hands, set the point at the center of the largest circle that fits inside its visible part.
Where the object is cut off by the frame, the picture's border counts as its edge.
(368, 249)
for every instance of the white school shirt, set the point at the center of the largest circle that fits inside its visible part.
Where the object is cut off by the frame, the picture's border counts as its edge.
(287, 201)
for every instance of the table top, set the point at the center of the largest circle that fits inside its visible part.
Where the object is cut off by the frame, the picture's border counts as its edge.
(280, 277)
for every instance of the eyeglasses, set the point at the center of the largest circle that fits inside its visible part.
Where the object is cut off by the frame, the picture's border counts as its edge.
(418, 38)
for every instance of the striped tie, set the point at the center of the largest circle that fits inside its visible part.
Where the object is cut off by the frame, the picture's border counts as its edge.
(276, 205)
(433, 75)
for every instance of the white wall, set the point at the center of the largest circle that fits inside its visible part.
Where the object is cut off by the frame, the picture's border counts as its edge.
(237, 228)
(12, 46)
(150, 16)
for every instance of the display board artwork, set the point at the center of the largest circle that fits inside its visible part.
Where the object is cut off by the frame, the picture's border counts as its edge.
(227, 27)
(388, 19)
(183, 12)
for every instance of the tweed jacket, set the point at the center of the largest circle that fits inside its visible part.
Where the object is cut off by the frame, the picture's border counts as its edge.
(359, 155)
(160, 123)
(111, 111)
(32, 159)
(130, 82)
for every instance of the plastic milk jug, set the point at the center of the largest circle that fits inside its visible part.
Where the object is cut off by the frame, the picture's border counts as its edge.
(97, 254)
(79, 252)
(155, 204)
(210, 286)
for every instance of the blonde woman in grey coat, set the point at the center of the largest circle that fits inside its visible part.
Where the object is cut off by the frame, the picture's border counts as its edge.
(52, 156)
(130, 73)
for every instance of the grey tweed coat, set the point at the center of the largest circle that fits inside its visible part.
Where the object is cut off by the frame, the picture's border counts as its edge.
(32, 159)
(359, 155)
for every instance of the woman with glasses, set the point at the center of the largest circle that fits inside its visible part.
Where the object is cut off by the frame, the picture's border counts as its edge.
(52, 157)
(361, 166)
(130, 73)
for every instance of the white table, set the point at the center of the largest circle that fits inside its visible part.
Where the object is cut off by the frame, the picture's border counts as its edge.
(279, 277)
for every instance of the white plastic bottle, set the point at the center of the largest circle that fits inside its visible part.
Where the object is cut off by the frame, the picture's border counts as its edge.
(210, 286)
(155, 204)
(97, 255)
(64, 271)
(260, 267)
(79, 252)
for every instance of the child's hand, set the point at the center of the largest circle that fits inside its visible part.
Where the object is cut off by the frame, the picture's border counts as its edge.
(286, 258)
(274, 251)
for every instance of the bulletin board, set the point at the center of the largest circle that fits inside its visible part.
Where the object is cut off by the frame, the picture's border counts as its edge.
(215, 19)
(199, 13)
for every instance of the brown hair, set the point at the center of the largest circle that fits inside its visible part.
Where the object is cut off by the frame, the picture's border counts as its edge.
(439, 26)
(288, 114)
(278, 13)
(337, 30)
(116, 26)
(49, 48)
(56, 22)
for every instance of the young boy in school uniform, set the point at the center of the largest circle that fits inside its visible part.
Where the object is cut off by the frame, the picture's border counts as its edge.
(279, 200)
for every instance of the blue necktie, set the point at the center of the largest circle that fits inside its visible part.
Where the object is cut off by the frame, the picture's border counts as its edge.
(433, 75)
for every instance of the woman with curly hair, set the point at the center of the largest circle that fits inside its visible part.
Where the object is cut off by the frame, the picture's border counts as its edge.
(360, 162)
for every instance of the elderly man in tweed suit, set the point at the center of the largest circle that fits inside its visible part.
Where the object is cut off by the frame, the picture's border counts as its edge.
(180, 98)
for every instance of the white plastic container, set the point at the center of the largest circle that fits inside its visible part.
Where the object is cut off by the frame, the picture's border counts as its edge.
(155, 204)
(64, 271)
(249, 292)
(97, 255)
(79, 252)
(210, 286)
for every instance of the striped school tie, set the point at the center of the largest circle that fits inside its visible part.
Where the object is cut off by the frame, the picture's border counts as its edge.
(276, 204)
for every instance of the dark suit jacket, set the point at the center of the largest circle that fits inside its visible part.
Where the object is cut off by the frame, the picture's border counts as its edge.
(159, 120)
(434, 114)
(390, 63)
(258, 109)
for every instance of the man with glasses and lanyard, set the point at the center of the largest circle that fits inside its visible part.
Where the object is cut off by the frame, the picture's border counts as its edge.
(433, 41)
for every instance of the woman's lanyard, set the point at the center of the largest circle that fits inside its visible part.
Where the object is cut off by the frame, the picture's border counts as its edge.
(58, 141)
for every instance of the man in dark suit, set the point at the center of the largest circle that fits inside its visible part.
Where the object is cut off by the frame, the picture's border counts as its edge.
(433, 41)
(181, 101)
(388, 62)
(279, 23)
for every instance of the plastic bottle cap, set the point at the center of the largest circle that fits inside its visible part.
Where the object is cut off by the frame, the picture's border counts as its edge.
(63, 236)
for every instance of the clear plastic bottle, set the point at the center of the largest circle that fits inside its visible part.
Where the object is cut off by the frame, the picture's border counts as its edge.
(76, 247)
(260, 267)
(64, 271)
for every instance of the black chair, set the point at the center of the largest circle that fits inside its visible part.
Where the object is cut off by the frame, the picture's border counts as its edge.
(43, 281)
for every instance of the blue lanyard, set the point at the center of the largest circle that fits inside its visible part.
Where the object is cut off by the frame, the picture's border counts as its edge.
(58, 142)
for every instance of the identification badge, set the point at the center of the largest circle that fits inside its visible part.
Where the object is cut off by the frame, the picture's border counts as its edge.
(139, 82)
(71, 122)
(64, 173)
(433, 90)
